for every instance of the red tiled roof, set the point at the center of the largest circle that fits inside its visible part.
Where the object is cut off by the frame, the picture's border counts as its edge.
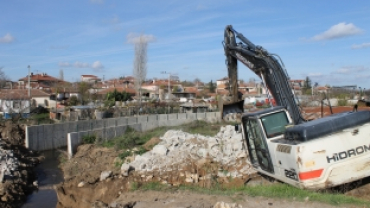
(21, 93)
(40, 77)
(190, 89)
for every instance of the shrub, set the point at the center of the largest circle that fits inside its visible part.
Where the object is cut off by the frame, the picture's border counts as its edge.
(342, 102)
(88, 139)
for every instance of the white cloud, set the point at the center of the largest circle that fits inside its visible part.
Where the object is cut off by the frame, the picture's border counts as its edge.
(78, 64)
(97, 65)
(361, 46)
(340, 30)
(64, 64)
(350, 70)
(8, 38)
(135, 38)
(315, 74)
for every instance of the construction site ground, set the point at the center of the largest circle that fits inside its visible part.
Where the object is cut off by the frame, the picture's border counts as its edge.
(84, 186)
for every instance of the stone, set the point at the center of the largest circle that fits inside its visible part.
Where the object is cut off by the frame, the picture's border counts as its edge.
(189, 180)
(81, 184)
(160, 150)
(227, 205)
(201, 162)
(125, 169)
(105, 174)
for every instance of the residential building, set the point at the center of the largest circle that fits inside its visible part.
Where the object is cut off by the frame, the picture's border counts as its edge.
(14, 102)
(90, 78)
(39, 81)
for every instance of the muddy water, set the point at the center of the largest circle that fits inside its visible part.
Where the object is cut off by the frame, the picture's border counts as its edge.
(48, 175)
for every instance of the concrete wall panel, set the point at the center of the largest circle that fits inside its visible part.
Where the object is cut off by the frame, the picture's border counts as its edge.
(120, 130)
(181, 116)
(142, 119)
(172, 116)
(112, 122)
(137, 127)
(121, 121)
(131, 120)
(99, 124)
(162, 117)
(152, 118)
(31, 135)
(201, 116)
(48, 136)
(192, 116)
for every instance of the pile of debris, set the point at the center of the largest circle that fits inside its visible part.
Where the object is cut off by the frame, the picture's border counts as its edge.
(16, 166)
(182, 158)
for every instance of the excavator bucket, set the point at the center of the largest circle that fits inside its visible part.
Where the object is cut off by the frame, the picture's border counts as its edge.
(232, 107)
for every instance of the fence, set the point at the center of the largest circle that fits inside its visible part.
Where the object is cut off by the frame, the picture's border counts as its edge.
(46, 137)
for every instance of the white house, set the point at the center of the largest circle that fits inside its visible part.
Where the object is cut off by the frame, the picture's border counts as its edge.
(14, 101)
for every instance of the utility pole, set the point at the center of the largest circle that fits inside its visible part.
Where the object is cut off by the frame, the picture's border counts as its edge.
(29, 80)
(169, 84)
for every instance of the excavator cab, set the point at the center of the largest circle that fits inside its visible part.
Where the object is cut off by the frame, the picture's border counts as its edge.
(258, 129)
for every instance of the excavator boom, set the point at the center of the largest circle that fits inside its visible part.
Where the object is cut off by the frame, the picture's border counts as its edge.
(264, 65)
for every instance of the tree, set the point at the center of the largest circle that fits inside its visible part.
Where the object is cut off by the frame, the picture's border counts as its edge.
(61, 75)
(3, 78)
(307, 86)
(73, 100)
(307, 83)
(140, 63)
(83, 90)
(212, 87)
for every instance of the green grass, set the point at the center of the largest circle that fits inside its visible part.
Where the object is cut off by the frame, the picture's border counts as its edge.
(278, 190)
(132, 138)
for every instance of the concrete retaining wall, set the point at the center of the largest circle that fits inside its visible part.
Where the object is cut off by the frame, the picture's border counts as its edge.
(46, 137)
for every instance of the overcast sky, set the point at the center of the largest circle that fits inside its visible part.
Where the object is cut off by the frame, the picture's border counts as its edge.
(329, 41)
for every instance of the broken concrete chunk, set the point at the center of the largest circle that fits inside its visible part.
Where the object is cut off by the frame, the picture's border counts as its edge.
(105, 174)
(160, 150)
(125, 169)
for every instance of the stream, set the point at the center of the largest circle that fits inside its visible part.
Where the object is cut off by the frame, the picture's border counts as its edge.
(48, 175)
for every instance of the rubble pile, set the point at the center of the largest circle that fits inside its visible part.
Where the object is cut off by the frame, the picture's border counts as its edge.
(17, 179)
(181, 157)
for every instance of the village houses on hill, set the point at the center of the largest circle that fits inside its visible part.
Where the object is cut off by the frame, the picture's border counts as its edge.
(53, 93)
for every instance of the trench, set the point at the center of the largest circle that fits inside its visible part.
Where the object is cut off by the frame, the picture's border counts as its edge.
(48, 175)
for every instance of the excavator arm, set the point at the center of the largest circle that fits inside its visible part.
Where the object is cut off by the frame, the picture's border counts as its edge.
(263, 64)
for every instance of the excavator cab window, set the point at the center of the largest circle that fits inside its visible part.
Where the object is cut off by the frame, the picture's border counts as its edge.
(274, 124)
(257, 147)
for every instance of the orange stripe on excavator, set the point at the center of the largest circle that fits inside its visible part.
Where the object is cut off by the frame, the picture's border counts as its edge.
(310, 174)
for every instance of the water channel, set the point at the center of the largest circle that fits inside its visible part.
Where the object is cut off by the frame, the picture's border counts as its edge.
(48, 175)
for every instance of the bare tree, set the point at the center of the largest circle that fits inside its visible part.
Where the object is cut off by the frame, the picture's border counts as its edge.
(140, 63)
(61, 75)
(3, 78)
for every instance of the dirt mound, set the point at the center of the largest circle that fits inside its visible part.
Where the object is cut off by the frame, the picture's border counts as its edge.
(18, 180)
(12, 133)
(151, 143)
